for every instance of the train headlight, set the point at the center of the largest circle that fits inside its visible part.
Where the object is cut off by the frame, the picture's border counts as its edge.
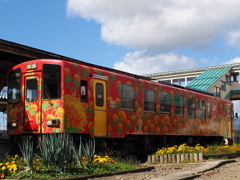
(13, 124)
(52, 122)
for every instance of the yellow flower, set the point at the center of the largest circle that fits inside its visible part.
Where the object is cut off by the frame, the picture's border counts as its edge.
(4, 168)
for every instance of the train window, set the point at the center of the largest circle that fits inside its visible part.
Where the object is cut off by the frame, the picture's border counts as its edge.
(84, 91)
(127, 96)
(31, 90)
(149, 100)
(208, 110)
(14, 86)
(165, 102)
(178, 104)
(229, 113)
(99, 95)
(201, 108)
(51, 81)
(191, 107)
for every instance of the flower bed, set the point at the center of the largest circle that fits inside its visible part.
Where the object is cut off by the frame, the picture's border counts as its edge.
(184, 153)
(60, 157)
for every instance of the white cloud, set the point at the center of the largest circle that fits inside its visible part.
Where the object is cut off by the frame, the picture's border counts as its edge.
(140, 62)
(233, 38)
(154, 24)
(159, 27)
(232, 61)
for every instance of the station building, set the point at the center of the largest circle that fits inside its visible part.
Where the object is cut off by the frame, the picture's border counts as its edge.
(222, 81)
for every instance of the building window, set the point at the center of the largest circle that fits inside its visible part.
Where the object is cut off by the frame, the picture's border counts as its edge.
(234, 77)
(149, 100)
(127, 96)
(165, 102)
(180, 82)
(175, 81)
(228, 79)
(190, 79)
(223, 85)
(178, 104)
(166, 81)
(191, 107)
(217, 92)
(83, 91)
(201, 109)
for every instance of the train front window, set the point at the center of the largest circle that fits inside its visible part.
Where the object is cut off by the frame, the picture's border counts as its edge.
(51, 81)
(31, 90)
(14, 86)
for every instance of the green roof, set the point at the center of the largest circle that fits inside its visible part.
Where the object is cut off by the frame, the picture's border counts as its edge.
(207, 78)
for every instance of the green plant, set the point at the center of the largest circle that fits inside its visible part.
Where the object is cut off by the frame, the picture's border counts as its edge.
(48, 150)
(88, 149)
(78, 153)
(26, 148)
(56, 150)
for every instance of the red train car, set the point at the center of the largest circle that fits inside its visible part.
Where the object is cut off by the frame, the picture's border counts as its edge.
(55, 96)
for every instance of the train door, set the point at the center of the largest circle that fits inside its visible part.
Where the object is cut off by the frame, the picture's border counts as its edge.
(100, 108)
(229, 121)
(32, 102)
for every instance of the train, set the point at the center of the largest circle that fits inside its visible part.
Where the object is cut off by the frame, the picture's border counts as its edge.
(118, 109)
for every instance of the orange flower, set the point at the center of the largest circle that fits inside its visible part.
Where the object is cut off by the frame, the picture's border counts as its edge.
(120, 125)
(158, 130)
(152, 126)
(115, 117)
(134, 117)
(2, 176)
(59, 112)
(129, 83)
(122, 115)
(139, 112)
(77, 77)
(128, 122)
(67, 71)
(145, 128)
(34, 107)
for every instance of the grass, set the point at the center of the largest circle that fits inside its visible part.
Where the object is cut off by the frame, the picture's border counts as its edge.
(93, 168)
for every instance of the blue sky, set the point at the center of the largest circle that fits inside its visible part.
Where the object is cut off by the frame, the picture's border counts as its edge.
(142, 37)
(45, 25)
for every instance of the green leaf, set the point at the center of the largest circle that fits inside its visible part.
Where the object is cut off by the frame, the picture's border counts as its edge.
(55, 105)
(68, 79)
(85, 73)
(32, 112)
(45, 106)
